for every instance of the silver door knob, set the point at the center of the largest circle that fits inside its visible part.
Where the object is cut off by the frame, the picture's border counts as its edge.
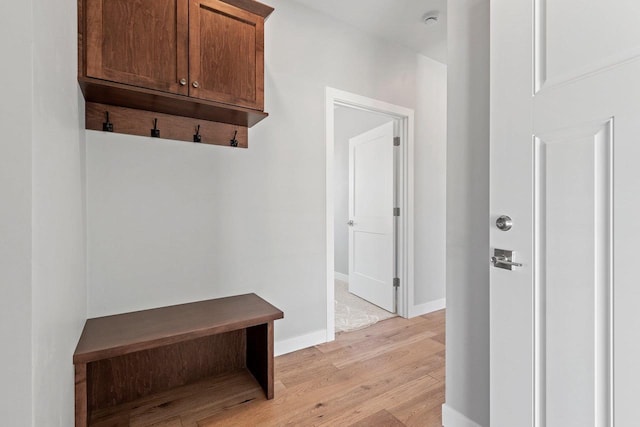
(195, 84)
(504, 223)
(350, 223)
(183, 82)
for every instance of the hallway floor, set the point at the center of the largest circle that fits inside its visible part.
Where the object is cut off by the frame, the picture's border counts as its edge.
(389, 374)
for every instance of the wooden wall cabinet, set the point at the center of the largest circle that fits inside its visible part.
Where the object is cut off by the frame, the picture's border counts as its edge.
(231, 42)
(140, 43)
(202, 59)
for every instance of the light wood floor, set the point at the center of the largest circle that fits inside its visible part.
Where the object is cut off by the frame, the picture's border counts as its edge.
(390, 374)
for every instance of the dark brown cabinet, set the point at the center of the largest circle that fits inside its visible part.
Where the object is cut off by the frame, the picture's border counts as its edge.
(142, 43)
(201, 59)
(230, 42)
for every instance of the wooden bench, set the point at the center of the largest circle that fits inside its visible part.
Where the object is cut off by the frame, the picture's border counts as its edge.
(126, 357)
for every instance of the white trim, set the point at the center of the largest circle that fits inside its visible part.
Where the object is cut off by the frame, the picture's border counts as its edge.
(330, 261)
(427, 307)
(298, 343)
(453, 418)
(405, 236)
(341, 276)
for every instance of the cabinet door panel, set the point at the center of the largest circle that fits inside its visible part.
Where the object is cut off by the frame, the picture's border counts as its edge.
(139, 42)
(226, 46)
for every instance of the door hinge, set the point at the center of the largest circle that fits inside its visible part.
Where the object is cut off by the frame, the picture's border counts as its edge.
(396, 141)
(396, 282)
(396, 211)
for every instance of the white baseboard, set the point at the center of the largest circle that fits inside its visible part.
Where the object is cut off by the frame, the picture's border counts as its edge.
(453, 418)
(298, 343)
(341, 276)
(428, 307)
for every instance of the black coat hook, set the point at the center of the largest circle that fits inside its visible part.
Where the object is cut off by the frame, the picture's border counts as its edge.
(197, 137)
(234, 141)
(107, 126)
(155, 132)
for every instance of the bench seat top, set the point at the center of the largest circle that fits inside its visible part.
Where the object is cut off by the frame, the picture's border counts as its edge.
(110, 336)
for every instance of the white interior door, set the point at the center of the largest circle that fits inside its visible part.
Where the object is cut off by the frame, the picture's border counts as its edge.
(372, 231)
(565, 146)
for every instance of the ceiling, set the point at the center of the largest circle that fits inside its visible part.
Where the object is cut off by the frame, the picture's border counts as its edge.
(399, 21)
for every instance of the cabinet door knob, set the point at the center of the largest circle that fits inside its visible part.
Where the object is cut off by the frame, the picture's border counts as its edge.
(183, 82)
(196, 84)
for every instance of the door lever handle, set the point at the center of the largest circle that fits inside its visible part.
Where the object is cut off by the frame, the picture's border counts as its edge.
(503, 258)
(504, 261)
(350, 223)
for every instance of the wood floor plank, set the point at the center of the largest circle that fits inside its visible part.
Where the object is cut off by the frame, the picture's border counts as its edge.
(325, 370)
(439, 374)
(385, 328)
(361, 355)
(393, 397)
(440, 338)
(379, 419)
(423, 408)
(293, 361)
(287, 367)
(173, 422)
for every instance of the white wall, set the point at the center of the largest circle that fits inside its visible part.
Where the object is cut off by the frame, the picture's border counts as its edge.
(430, 179)
(467, 395)
(59, 277)
(349, 122)
(42, 249)
(171, 222)
(15, 212)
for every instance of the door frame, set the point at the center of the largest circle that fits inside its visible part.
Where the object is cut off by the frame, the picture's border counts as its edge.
(405, 117)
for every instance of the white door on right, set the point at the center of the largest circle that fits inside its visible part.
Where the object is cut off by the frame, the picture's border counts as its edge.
(565, 166)
(371, 220)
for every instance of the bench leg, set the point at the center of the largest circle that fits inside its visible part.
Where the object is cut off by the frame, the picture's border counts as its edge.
(260, 355)
(81, 395)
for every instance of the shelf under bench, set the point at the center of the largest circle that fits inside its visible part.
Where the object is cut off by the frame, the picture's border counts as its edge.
(198, 404)
(127, 357)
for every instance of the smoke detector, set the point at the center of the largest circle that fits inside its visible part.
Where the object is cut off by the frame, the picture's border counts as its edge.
(431, 18)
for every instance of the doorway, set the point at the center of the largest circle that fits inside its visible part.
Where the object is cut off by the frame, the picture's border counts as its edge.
(364, 114)
(364, 190)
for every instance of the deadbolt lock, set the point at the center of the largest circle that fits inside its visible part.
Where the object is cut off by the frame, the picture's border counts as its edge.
(504, 223)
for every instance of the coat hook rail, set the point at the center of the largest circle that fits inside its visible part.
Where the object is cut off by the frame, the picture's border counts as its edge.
(111, 118)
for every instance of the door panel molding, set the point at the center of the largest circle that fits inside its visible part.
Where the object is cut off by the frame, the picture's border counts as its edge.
(586, 186)
(544, 79)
